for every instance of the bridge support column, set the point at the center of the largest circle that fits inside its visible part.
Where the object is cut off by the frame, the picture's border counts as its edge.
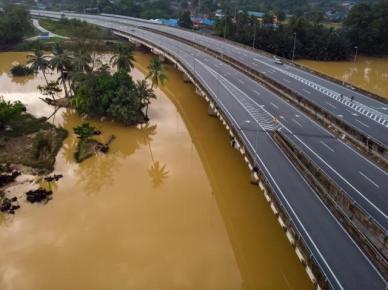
(198, 92)
(186, 79)
(161, 58)
(254, 177)
(210, 111)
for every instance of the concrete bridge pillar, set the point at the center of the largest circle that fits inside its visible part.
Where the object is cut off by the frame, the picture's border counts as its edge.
(210, 111)
(186, 79)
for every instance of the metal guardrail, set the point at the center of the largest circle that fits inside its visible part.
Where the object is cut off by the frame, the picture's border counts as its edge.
(374, 149)
(369, 235)
(298, 241)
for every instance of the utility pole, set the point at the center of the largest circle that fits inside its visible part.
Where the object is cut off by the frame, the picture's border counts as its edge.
(293, 50)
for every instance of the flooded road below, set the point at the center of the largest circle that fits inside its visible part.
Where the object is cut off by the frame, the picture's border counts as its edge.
(169, 207)
(368, 73)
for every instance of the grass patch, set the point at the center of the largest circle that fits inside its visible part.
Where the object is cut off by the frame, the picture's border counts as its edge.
(75, 29)
(32, 142)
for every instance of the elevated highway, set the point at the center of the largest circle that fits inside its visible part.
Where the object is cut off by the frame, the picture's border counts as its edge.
(249, 110)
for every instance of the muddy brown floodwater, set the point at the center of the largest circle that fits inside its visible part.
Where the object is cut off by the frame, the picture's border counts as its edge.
(170, 207)
(369, 73)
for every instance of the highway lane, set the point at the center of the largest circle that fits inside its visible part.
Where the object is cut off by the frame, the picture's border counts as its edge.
(364, 113)
(359, 178)
(313, 219)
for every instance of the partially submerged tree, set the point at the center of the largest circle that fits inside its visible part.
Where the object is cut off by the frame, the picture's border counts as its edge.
(61, 62)
(156, 72)
(145, 93)
(123, 57)
(38, 61)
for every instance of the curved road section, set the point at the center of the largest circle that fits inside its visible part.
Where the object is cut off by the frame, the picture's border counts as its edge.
(360, 111)
(250, 109)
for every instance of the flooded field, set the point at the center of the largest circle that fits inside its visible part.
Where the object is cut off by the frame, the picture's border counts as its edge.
(369, 73)
(170, 206)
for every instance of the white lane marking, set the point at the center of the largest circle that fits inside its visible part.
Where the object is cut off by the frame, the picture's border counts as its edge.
(278, 187)
(370, 180)
(362, 123)
(306, 91)
(327, 146)
(331, 105)
(354, 114)
(274, 105)
(348, 101)
(257, 92)
(335, 171)
(295, 121)
(241, 81)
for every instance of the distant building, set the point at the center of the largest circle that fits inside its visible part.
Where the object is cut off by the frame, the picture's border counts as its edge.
(44, 35)
(256, 14)
(219, 13)
(169, 22)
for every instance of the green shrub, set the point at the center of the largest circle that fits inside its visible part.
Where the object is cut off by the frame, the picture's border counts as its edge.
(21, 71)
(9, 111)
(84, 131)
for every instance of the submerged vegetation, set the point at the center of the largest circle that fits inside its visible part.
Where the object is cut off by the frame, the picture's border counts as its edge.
(21, 70)
(87, 146)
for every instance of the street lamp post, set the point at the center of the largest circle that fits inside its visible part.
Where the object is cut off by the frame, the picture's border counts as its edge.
(354, 65)
(225, 27)
(254, 36)
(293, 49)
(355, 55)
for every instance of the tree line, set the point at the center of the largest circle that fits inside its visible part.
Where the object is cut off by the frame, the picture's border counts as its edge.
(15, 23)
(365, 28)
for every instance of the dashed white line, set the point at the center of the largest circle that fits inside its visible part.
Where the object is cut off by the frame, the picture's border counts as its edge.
(295, 121)
(256, 92)
(327, 146)
(362, 123)
(274, 105)
(306, 91)
(331, 105)
(370, 180)
(241, 81)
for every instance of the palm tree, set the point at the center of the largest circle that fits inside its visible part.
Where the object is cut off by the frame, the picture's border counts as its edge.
(61, 62)
(145, 94)
(123, 58)
(156, 72)
(39, 62)
(82, 61)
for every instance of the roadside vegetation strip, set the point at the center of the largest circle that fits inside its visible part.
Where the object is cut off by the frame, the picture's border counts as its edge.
(370, 236)
(311, 264)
